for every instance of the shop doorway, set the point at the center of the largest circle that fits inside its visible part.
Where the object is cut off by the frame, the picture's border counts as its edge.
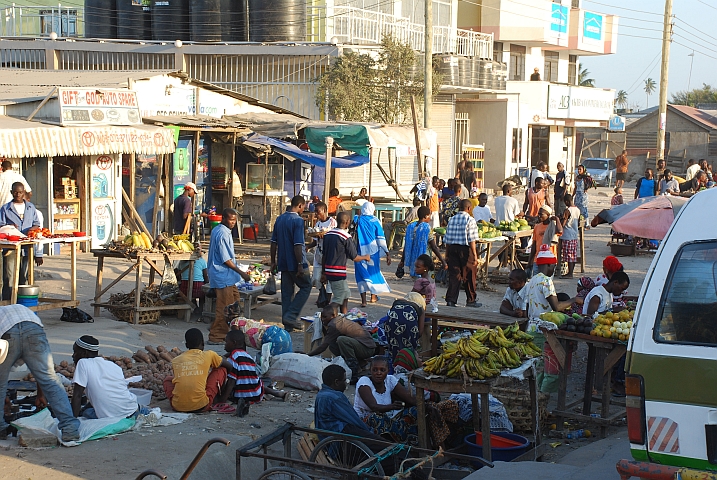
(539, 146)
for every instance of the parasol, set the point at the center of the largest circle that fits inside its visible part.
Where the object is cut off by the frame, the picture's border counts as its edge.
(650, 219)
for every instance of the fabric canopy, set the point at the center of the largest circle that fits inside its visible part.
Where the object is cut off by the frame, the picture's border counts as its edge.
(292, 152)
(652, 219)
(348, 137)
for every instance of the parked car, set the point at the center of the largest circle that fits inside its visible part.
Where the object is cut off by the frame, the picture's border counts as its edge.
(601, 169)
(671, 367)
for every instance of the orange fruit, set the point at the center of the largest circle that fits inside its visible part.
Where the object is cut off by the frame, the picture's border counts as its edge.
(606, 334)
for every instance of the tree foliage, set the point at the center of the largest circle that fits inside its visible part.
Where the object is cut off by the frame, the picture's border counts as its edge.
(584, 79)
(706, 94)
(361, 88)
(621, 99)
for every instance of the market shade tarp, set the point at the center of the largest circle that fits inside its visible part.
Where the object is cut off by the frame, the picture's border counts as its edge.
(292, 152)
(652, 219)
(349, 137)
(20, 138)
(612, 214)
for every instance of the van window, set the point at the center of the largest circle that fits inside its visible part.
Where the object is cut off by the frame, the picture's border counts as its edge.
(688, 308)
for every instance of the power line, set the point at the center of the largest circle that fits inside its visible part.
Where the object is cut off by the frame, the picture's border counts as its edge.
(625, 8)
(695, 28)
(694, 49)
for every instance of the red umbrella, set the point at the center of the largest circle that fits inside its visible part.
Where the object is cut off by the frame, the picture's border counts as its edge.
(652, 219)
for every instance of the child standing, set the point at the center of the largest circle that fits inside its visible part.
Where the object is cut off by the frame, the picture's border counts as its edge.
(571, 219)
(324, 223)
(423, 284)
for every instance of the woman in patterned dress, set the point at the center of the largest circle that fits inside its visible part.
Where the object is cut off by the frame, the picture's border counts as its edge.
(405, 323)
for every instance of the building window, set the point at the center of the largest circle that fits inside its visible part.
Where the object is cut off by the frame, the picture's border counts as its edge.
(517, 63)
(550, 72)
(573, 70)
(540, 140)
(497, 51)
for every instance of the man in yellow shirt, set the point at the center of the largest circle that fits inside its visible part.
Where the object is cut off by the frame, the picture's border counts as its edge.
(198, 376)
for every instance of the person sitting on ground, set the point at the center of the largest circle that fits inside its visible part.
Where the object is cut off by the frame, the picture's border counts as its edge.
(570, 236)
(412, 215)
(200, 277)
(616, 199)
(513, 303)
(334, 200)
(198, 376)
(600, 298)
(345, 338)
(339, 248)
(102, 382)
(482, 212)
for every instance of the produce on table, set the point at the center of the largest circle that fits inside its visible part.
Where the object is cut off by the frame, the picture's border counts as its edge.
(576, 323)
(259, 275)
(487, 230)
(614, 325)
(142, 242)
(484, 354)
(517, 225)
(558, 318)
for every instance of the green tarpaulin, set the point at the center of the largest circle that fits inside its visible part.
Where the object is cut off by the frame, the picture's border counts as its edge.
(349, 137)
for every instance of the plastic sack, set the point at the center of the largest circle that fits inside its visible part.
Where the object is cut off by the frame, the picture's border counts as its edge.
(270, 286)
(94, 429)
(323, 297)
(75, 315)
(253, 330)
(279, 338)
(168, 287)
(301, 371)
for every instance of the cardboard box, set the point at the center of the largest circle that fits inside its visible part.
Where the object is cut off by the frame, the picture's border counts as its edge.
(66, 192)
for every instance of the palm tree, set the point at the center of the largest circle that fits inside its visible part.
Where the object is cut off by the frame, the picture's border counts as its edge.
(621, 100)
(650, 87)
(583, 79)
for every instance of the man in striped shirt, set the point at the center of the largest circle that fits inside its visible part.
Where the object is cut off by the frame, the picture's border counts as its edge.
(338, 248)
(461, 236)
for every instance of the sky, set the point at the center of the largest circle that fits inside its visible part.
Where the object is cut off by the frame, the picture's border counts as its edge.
(638, 58)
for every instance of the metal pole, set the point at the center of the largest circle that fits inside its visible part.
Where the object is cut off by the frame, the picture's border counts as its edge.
(428, 68)
(662, 119)
(327, 175)
(689, 78)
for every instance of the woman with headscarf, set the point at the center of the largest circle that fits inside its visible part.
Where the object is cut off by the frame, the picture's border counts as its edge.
(371, 241)
(610, 266)
(405, 323)
(419, 240)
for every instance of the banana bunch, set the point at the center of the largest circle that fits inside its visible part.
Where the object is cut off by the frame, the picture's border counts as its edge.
(184, 236)
(184, 245)
(471, 347)
(497, 338)
(138, 240)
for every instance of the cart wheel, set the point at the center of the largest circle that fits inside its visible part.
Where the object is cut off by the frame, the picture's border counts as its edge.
(283, 473)
(345, 453)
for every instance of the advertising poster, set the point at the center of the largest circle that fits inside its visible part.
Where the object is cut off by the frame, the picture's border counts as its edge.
(103, 203)
(592, 26)
(182, 161)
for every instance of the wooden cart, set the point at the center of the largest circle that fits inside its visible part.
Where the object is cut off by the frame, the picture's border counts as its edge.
(138, 259)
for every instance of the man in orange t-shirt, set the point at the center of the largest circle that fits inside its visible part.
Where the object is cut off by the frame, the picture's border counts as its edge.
(433, 203)
(535, 198)
(621, 163)
(334, 201)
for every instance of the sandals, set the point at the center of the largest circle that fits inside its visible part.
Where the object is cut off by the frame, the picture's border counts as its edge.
(224, 408)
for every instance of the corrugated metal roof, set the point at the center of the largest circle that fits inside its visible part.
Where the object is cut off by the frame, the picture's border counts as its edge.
(198, 121)
(20, 86)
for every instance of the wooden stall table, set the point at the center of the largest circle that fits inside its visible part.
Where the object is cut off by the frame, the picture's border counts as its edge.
(603, 354)
(481, 419)
(511, 260)
(138, 260)
(483, 246)
(45, 303)
(470, 321)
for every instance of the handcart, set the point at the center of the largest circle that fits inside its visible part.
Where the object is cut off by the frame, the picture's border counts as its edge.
(347, 457)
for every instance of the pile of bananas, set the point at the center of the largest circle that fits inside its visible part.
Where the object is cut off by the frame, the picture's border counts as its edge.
(484, 354)
(142, 241)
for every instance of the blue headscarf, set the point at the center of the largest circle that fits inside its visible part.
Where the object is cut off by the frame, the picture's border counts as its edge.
(371, 239)
(416, 243)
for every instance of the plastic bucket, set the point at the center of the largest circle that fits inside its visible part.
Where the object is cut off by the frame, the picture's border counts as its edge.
(213, 224)
(499, 454)
(248, 232)
(143, 396)
(28, 301)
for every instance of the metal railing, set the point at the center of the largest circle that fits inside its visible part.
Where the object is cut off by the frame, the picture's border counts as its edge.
(354, 26)
(33, 20)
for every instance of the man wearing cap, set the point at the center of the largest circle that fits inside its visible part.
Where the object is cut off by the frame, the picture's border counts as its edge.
(22, 328)
(183, 207)
(102, 381)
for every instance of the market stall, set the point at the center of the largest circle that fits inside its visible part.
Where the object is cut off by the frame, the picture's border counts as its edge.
(473, 320)
(512, 242)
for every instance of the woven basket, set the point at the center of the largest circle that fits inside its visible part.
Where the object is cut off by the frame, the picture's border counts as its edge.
(517, 403)
(127, 314)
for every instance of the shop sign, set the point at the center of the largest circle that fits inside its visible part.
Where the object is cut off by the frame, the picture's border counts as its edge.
(559, 18)
(580, 103)
(617, 124)
(82, 106)
(592, 26)
(111, 140)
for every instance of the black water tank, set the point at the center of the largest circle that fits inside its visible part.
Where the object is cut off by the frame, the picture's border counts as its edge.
(206, 23)
(100, 19)
(170, 20)
(134, 20)
(277, 21)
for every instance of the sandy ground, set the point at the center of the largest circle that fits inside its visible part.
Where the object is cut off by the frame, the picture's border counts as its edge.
(171, 449)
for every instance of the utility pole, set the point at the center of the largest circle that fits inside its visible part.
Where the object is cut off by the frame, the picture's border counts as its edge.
(662, 119)
(428, 69)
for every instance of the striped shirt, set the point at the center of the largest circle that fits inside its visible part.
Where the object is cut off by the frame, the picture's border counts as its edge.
(248, 384)
(339, 247)
(461, 230)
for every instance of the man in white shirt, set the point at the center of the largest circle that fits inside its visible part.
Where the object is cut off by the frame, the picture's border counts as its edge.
(7, 178)
(507, 208)
(482, 211)
(102, 381)
(692, 169)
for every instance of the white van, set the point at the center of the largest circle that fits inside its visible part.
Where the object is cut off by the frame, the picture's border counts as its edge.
(671, 365)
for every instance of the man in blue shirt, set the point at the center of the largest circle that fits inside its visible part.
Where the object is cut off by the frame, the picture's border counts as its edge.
(287, 241)
(224, 273)
(332, 410)
(23, 215)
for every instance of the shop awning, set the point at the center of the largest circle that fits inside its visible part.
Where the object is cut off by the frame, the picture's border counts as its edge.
(20, 138)
(292, 152)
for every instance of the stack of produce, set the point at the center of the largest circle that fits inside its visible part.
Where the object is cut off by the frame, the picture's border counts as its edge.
(142, 242)
(517, 225)
(487, 230)
(575, 323)
(614, 325)
(484, 354)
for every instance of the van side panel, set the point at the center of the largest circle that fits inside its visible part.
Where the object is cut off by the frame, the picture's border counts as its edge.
(683, 380)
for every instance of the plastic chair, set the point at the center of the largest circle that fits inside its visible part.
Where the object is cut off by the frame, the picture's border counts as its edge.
(250, 221)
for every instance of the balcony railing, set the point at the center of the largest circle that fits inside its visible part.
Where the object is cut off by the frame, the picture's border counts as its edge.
(19, 21)
(354, 26)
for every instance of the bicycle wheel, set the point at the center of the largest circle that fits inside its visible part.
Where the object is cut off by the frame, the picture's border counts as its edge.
(283, 473)
(345, 453)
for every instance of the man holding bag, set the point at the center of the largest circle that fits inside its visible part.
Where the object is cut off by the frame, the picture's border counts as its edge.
(224, 273)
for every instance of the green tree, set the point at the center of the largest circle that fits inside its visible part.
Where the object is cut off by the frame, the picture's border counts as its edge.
(584, 79)
(650, 87)
(621, 99)
(359, 88)
(706, 94)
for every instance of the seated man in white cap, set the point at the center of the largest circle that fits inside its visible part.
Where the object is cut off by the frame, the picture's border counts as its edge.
(102, 381)
(183, 207)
